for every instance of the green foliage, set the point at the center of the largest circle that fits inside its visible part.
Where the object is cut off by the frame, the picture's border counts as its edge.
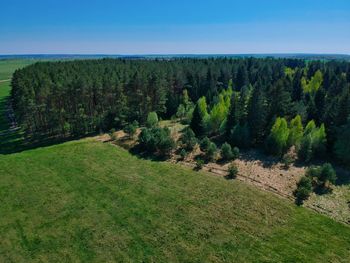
(199, 164)
(61, 99)
(204, 144)
(185, 109)
(279, 97)
(235, 153)
(257, 113)
(229, 154)
(310, 127)
(314, 84)
(325, 175)
(211, 152)
(320, 141)
(342, 145)
(131, 128)
(217, 115)
(183, 154)
(234, 113)
(152, 120)
(240, 136)
(287, 160)
(226, 152)
(289, 72)
(313, 144)
(188, 139)
(305, 152)
(303, 191)
(203, 107)
(156, 141)
(296, 131)
(200, 117)
(277, 141)
(181, 112)
(112, 134)
(232, 171)
(219, 111)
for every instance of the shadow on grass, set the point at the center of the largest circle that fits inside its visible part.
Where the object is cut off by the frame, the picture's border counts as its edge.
(257, 155)
(16, 141)
(143, 154)
(343, 176)
(230, 178)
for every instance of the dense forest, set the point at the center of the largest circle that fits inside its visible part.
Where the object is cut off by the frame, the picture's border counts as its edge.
(270, 103)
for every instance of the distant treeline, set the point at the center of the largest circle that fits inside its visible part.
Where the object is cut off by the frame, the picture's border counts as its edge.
(84, 96)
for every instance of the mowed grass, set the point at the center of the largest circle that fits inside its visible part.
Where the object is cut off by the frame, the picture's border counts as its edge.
(85, 201)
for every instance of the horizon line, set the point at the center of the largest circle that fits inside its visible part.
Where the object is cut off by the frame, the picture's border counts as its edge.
(170, 54)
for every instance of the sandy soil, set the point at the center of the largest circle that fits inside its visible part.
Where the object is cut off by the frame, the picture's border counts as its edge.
(257, 169)
(262, 171)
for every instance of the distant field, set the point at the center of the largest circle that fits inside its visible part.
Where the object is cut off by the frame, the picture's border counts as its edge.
(7, 67)
(85, 201)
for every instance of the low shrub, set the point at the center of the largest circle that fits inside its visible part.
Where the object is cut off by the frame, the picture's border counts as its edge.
(183, 154)
(131, 128)
(226, 152)
(204, 144)
(232, 171)
(188, 139)
(325, 176)
(303, 191)
(112, 134)
(211, 152)
(199, 164)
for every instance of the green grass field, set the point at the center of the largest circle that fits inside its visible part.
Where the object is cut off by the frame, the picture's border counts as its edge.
(86, 201)
(7, 67)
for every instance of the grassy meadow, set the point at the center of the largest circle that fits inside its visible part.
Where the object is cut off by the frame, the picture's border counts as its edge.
(86, 201)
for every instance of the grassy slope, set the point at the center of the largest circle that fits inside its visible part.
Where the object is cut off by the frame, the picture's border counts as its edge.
(93, 202)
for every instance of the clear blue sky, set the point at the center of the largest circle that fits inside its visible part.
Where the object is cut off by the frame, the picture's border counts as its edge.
(174, 27)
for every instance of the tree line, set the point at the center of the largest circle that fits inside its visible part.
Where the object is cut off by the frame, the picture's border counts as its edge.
(251, 102)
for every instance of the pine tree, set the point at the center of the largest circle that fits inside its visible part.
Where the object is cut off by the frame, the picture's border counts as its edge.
(240, 136)
(342, 145)
(279, 100)
(257, 111)
(242, 77)
(234, 114)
